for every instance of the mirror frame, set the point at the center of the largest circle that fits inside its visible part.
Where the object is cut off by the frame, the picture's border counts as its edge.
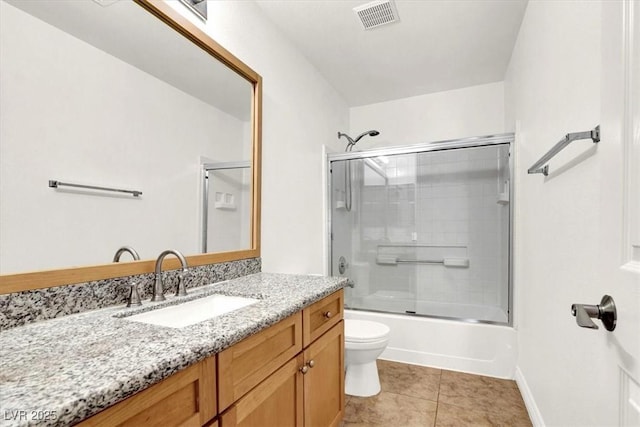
(17, 282)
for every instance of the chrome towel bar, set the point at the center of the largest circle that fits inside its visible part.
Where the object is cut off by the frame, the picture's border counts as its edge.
(55, 184)
(538, 167)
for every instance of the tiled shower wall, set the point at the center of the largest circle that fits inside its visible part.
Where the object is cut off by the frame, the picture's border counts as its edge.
(444, 204)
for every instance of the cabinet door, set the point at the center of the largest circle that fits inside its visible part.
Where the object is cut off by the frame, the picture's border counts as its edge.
(324, 379)
(277, 401)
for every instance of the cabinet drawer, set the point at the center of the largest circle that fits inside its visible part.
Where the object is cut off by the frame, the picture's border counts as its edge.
(184, 399)
(244, 365)
(322, 316)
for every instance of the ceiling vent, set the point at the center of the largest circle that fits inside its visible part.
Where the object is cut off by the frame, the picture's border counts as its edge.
(376, 13)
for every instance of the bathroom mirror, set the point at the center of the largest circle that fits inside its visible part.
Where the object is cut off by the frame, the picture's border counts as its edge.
(128, 95)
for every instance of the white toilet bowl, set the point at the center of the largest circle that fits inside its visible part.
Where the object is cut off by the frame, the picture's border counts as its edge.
(364, 341)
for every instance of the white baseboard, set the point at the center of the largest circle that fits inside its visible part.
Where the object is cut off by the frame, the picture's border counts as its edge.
(529, 401)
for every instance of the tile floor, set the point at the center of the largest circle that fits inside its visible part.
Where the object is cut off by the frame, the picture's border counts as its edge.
(420, 396)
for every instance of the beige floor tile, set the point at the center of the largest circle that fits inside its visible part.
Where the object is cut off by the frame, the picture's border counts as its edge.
(389, 409)
(409, 380)
(409, 395)
(455, 416)
(479, 392)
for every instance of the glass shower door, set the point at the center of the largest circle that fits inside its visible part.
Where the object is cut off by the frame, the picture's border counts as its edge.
(380, 192)
(424, 233)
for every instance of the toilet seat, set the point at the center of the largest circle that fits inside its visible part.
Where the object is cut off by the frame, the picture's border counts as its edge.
(364, 331)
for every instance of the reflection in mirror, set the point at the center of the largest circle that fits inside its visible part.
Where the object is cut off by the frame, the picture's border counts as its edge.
(226, 205)
(109, 95)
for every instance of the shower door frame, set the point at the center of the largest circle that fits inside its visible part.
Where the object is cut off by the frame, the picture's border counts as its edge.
(452, 144)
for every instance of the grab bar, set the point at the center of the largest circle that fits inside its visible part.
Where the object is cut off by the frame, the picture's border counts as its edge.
(447, 262)
(416, 245)
(55, 184)
(419, 261)
(537, 167)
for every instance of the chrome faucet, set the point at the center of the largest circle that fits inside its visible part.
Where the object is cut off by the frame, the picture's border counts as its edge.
(134, 295)
(119, 252)
(158, 291)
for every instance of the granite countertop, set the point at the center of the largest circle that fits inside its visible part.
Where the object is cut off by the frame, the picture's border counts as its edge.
(60, 371)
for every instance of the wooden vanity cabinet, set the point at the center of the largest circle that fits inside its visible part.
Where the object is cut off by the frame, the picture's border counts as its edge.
(187, 398)
(290, 374)
(308, 390)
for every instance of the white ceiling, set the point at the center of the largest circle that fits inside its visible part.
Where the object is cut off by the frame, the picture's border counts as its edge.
(437, 45)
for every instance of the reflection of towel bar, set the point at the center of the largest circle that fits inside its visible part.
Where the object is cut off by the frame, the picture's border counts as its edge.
(55, 184)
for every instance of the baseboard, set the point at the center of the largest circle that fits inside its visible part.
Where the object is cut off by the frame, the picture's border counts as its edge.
(529, 401)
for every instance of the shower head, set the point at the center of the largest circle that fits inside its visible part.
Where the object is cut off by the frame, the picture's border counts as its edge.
(353, 142)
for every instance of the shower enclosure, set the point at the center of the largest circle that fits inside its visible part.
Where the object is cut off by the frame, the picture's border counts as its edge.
(429, 229)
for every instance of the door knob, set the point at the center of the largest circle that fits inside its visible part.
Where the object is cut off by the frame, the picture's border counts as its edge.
(605, 311)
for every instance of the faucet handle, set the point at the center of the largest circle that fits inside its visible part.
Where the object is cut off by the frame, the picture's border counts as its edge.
(181, 290)
(134, 295)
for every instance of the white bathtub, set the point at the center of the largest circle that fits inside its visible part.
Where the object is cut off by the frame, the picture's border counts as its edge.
(399, 302)
(448, 344)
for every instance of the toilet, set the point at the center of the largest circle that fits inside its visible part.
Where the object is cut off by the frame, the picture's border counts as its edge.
(364, 341)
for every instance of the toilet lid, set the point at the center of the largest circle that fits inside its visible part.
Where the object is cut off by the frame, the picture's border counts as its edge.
(364, 330)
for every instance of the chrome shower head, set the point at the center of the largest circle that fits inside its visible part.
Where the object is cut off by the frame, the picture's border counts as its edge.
(369, 132)
(353, 142)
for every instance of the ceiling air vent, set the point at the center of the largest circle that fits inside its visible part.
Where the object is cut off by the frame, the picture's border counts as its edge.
(376, 13)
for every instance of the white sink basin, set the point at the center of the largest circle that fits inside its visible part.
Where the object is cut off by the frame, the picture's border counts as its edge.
(192, 312)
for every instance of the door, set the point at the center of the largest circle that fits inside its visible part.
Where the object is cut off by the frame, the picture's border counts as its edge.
(277, 401)
(619, 205)
(324, 379)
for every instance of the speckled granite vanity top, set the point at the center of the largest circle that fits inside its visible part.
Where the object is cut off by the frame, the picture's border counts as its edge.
(75, 366)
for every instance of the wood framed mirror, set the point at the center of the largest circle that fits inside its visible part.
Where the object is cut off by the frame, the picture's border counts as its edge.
(64, 140)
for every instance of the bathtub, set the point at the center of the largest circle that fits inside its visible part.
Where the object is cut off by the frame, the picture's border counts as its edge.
(399, 302)
(476, 348)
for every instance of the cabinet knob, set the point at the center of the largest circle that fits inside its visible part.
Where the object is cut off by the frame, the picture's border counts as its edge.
(327, 315)
(304, 369)
(311, 363)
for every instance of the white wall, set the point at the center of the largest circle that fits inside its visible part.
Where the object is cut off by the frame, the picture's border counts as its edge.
(301, 113)
(552, 87)
(68, 114)
(460, 113)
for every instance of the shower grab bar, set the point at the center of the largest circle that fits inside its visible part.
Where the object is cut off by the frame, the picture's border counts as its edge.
(403, 245)
(419, 261)
(55, 184)
(538, 167)
(447, 262)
